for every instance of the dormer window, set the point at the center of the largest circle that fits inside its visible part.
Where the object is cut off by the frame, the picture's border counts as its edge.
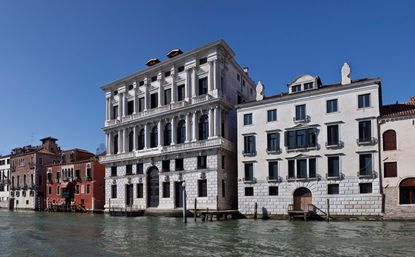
(154, 78)
(130, 87)
(296, 88)
(115, 92)
(308, 85)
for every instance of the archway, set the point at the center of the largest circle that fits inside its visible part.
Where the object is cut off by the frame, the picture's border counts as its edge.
(153, 187)
(407, 191)
(302, 198)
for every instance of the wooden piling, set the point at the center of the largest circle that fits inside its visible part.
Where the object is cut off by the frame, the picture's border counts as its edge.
(328, 209)
(255, 210)
(195, 209)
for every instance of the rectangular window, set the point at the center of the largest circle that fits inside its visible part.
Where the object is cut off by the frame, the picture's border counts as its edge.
(50, 190)
(179, 164)
(128, 169)
(180, 93)
(130, 87)
(331, 106)
(248, 119)
(88, 189)
(249, 191)
(365, 188)
(180, 69)
(273, 170)
(140, 168)
(141, 83)
(390, 169)
(333, 189)
(130, 107)
(202, 61)
(77, 189)
(113, 191)
(273, 142)
(202, 162)
(301, 138)
(167, 96)
(365, 164)
(249, 144)
(223, 188)
(141, 104)
(333, 135)
(300, 112)
(167, 74)
(154, 79)
(272, 115)
(302, 168)
(364, 101)
(333, 166)
(154, 98)
(202, 188)
(296, 88)
(249, 171)
(291, 169)
(312, 169)
(58, 190)
(166, 189)
(113, 171)
(203, 86)
(308, 85)
(78, 174)
(165, 165)
(115, 112)
(89, 173)
(273, 190)
(365, 131)
(140, 190)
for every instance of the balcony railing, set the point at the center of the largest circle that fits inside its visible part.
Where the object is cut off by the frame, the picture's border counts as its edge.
(366, 141)
(274, 151)
(201, 99)
(338, 176)
(308, 178)
(303, 148)
(250, 153)
(366, 174)
(274, 179)
(334, 145)
(251, 180)
(304, 119)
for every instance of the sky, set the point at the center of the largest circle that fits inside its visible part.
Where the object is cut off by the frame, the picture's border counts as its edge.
(55, 55)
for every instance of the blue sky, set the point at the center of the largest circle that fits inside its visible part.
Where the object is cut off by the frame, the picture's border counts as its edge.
(55, 55)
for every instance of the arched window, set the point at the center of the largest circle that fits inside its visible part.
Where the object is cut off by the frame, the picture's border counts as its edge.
(131, 141)
(203, 127)
(154, 137)
(181, 132)
(167, 134)
(389, 140)
(141, 139)
(407, 191)
(115, 144)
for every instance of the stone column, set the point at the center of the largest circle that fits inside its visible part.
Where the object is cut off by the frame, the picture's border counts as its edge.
(135, 98)
(211, 77)
(160, 134)
(119, 106)
(225, 125)
(173, 85)
(173, 130)
(124, 143)
(194, 87)
(187, 85)
(188, 127)
(212, 122)
(146, 136)
(218, 121)
(160, 81)
(119, 141)
(146, 95)
(108, 140)
(194, 126)
(124, 104)
(108, 106)
(135, 147)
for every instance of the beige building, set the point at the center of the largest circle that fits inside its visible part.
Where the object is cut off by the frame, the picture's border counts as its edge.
(397, 129)
(4, 181)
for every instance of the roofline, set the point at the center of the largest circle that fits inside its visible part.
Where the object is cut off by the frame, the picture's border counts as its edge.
(306, 93)
(5, 156)
(169, 61)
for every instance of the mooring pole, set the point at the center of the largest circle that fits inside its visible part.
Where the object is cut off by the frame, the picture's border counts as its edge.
(184, 203)
(255, 210)
(195, 209)
(328, 209)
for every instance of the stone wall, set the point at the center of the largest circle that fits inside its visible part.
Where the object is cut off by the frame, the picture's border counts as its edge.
(393, 210)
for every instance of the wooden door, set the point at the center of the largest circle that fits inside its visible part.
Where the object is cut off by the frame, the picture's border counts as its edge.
(153, 187)
(178, 190)
(302, 199)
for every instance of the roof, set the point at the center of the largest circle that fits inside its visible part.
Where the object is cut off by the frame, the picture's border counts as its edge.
(283, 95)
(398, 109)
(48, 138)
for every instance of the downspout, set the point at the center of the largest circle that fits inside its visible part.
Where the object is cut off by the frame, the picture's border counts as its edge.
(379, 120)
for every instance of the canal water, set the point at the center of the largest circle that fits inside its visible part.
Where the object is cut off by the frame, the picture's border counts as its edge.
(66, 234)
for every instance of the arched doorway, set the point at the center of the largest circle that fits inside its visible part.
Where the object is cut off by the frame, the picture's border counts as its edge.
(153, 187)
(407, 191)
(302, 198)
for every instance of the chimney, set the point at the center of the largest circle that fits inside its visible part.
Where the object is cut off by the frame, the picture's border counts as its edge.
(346, 74)
(246, 70)
(259, 91)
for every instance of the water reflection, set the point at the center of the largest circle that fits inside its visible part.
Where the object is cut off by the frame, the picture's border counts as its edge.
(59, 234)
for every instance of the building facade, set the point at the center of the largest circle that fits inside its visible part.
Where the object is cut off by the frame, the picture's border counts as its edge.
(175, 122)
(76, 183)
(397, 129)
(28, 173)
(316, 142)
(4, 181)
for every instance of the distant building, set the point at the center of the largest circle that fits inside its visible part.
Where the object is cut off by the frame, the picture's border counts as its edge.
(175, 121)
(4, 181)
(316, 142)
(76, 182)
(397, 129)
(28, 173)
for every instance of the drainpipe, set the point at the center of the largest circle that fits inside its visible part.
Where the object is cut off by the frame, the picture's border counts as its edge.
(380, 165)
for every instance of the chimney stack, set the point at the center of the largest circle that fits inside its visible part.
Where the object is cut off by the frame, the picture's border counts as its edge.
(346, 74)
(246, 70)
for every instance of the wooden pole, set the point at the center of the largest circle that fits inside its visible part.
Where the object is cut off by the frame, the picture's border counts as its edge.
(184, 204)
(255, 210)
(328, 209)
(195, 209)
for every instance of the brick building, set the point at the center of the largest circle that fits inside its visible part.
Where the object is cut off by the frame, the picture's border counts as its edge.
(76, 182)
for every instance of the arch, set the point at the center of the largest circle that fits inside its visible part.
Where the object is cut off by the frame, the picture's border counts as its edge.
(167, 134)
(154, 137)
(389, 140)
(181, 131)
(302, 199)
(131, 141)
(141, 139)
(153, 187)
(203, 127)
(115, 148)
(407, 191)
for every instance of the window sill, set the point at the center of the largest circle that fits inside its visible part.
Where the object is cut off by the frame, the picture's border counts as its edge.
(249, 154)
(278, 151)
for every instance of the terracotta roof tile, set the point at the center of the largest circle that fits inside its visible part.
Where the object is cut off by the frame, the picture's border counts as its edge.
(399, 109)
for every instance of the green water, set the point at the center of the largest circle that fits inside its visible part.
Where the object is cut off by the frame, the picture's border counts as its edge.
(60, 234)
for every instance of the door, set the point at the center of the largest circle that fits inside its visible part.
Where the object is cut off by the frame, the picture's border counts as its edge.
(129, 194)
(302, 199)
(153, 187)
(178, 194)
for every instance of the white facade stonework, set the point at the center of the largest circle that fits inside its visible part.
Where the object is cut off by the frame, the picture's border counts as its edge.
(4, 181)
(304, 148)
(182, 108)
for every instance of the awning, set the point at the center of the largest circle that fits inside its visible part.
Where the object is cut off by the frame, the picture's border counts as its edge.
(409, 182)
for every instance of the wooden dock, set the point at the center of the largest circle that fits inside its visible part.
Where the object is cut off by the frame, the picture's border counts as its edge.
(220, 214)
(126, 212)
(309, 212)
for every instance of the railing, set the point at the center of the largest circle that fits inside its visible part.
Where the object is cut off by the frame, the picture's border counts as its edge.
(308, 178)
(366, 141)
(200, 99)
(251, 180)
(276, 179)
(272, 151)
(251, 153)
(365, 174)
(333, 145)
(304, 119)
(303, 148)
(334, 176)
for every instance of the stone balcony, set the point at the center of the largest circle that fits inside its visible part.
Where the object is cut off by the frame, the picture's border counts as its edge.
(217, 142)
